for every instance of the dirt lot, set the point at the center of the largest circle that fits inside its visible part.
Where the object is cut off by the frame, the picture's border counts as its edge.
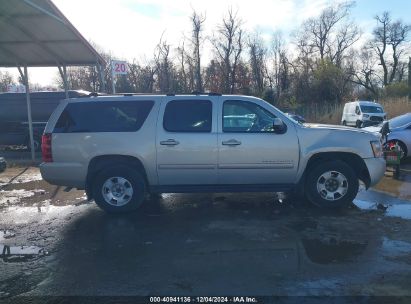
(56, 243)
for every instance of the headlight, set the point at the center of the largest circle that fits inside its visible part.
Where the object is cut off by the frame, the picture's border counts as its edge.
(376, 148)
(366, 115)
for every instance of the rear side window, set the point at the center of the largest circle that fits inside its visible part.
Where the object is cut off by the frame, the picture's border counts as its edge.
(188, 116)
(103, 116)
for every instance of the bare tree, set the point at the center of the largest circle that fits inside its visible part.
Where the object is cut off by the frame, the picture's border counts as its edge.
(329, 35)
(197, 21)
(163, 66)
(280, 73)
(363, 71)
(389, 39)
(5, 80)
(228, 45)
(345, 37)
(183, 60)
(141, 77)
(257, 57)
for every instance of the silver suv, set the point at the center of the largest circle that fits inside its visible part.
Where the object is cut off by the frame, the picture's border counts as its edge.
(120, 148)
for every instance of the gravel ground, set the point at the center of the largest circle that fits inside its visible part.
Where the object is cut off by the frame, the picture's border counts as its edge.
(55, 243)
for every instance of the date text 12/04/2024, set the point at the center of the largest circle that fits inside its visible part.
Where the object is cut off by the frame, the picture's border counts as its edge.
(238, 299)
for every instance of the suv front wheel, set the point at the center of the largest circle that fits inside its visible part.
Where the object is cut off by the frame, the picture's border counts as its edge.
(331, 184)
(119, 189)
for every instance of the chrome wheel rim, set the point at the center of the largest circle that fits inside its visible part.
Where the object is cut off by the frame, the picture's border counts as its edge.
(332, 185)
(117, 191)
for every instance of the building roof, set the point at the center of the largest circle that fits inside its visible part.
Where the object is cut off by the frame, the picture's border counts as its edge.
(36, 33)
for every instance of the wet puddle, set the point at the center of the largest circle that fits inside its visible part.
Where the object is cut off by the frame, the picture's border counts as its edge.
(397, 210)
(395, 248)
(332, 250)
(15, 254)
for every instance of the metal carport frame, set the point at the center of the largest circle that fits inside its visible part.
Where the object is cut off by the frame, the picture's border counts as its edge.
(34, 33)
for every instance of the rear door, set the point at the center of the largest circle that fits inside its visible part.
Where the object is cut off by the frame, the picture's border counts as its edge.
(187, 141)
(250, 152)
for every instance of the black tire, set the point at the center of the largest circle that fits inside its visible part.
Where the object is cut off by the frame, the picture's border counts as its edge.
(134, 179)
(351, 184)
(344, 123)
(358, 124)
(403, 149)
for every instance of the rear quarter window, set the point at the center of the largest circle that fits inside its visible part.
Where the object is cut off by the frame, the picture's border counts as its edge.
(103, 116)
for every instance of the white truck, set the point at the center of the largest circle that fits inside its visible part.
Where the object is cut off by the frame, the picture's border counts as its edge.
(362, 113)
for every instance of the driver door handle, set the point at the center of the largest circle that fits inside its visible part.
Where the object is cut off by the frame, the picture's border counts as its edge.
(231, 142)
(169, 142)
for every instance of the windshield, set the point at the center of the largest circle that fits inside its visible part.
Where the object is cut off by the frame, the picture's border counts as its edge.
(399, 121)
(371, 109)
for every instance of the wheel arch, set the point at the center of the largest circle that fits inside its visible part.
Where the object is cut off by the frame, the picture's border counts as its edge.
(101, 162)
(351, 159)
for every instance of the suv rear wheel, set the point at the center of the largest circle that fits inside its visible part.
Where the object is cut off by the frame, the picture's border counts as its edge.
(119, 189)
(331, 184)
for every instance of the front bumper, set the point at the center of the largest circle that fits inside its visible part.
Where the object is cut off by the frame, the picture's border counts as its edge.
(376, 168)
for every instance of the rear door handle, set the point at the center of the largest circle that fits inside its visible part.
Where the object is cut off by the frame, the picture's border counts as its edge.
(231, 142)
(169, 142)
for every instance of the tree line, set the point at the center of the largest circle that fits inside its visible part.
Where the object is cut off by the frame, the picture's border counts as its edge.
(326, 60)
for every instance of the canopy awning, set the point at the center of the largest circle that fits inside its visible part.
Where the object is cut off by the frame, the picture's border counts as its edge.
(35, 33)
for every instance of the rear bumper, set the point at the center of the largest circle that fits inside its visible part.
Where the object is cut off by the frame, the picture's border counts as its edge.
(376, 168)
(64, 174)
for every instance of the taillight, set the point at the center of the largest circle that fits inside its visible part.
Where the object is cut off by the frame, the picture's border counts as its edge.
(46, 148)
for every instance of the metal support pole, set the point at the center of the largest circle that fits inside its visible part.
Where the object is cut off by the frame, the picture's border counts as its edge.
(112, 78)
(101, 77)
(25, 76)
(63, 74)
(65, 81)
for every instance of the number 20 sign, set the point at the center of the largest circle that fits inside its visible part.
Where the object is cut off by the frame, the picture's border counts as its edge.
(119, 67)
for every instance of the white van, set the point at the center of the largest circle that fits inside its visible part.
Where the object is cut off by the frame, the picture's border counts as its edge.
(362, 113)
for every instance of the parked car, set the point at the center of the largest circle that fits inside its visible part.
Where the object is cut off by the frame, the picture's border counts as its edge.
(362, 113)
(120, 148)
(14, 129)
(296, 117)
(399, 133)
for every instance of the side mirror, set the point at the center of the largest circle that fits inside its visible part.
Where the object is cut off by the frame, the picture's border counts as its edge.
(278, 125)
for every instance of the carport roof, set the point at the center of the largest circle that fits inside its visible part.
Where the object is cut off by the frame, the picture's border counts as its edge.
(36, 33)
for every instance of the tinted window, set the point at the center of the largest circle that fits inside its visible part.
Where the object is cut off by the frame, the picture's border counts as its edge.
(243, 116)
(103, 116)
(188, 116)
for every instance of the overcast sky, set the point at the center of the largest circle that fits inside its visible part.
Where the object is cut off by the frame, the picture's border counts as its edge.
(131, 28)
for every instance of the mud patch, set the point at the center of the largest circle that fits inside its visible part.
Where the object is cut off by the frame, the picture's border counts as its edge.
(14, 196)
(19, 175)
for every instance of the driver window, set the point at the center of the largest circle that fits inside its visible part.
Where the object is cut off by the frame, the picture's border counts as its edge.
(357, 110)
(246, 117)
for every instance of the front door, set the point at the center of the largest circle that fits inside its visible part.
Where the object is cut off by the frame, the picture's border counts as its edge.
(251, 151)
(187, 142)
